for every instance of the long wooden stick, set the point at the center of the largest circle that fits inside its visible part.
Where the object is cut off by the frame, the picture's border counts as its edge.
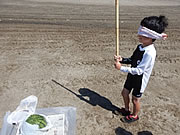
(117, 26)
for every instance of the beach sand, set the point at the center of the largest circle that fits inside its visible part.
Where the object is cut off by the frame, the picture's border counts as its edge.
(62, 52)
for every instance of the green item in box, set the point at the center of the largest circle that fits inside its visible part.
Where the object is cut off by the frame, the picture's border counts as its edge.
(36, 119)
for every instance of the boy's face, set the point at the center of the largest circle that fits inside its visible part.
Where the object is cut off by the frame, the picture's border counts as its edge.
(145, 40)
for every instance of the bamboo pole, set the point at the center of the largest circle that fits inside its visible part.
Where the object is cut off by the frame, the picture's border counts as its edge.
(117, 26)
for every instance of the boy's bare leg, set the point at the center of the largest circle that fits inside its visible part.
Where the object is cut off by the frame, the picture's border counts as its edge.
(125, 94)
(136, 105)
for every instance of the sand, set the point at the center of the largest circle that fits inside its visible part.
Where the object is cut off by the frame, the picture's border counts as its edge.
(62, 52)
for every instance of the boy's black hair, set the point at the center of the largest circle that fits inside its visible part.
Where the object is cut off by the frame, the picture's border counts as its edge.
(155, 23)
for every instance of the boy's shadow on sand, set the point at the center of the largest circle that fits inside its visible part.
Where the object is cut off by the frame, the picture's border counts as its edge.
(96, 99)
(93, 98)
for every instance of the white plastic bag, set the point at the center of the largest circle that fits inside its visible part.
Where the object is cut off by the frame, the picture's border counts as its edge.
(7, 129)
(26, 107)
(12, 121)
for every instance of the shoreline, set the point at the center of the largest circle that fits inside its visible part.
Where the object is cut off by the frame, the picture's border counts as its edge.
(112, 2)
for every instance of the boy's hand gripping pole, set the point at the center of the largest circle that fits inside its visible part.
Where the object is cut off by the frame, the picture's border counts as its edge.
(117, 26)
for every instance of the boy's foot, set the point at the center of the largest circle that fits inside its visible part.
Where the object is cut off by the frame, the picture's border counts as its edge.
(130, 118)
(122, 112)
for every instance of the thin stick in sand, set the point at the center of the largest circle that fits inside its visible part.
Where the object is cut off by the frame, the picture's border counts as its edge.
(117, 26)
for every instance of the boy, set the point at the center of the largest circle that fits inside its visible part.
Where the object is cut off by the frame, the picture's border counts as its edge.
(142, 62)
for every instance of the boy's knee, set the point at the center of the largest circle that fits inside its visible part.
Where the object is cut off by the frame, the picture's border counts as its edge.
(125, 92)
(135, 100)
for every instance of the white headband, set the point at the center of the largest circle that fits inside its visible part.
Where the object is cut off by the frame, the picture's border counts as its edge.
(143, 31)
